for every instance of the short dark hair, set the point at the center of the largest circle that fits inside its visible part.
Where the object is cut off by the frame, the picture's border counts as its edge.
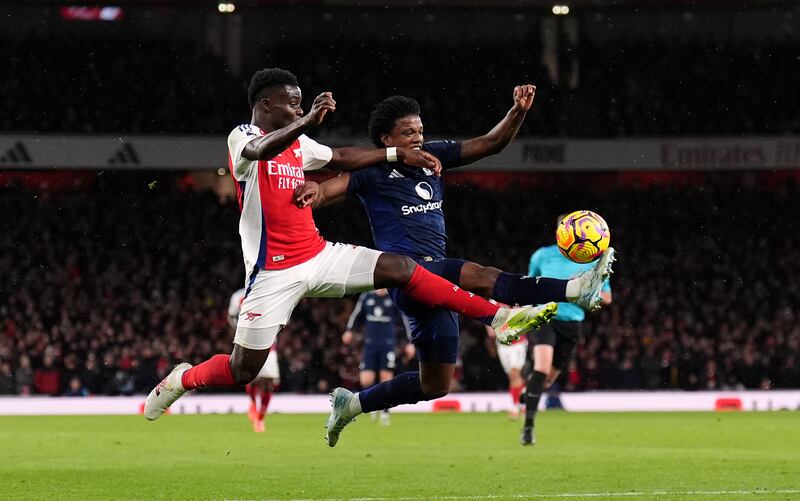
(268, 77)
(386, 113)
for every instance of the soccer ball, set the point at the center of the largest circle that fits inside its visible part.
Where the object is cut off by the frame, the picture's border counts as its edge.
(583, 236)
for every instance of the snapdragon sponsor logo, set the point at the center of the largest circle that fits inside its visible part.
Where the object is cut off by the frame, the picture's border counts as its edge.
(421, 208)
(425, 192)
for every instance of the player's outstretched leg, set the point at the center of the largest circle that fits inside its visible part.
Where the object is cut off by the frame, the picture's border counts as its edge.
(510, 288)
(587, 285)
(406, 388)
(432, 290)
(165, 393)
(219, 371)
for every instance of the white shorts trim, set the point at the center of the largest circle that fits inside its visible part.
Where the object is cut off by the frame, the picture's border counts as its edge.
(256, 339)
(513, 356)
(270, 369)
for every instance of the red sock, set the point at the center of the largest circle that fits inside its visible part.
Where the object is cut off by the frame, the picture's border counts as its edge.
(216, 371)
(265, 398)
(251, 392)
(433, 290)
(515, 391)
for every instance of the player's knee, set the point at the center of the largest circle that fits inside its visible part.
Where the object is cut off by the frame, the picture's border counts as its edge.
(435, 389)
(244, 372)
(487, 277)
(395, 271)
(435, 393)
(405, 268)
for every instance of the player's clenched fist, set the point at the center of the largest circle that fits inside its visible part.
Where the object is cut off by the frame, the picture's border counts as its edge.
(323, 104)
(523, 96)
(419, 158)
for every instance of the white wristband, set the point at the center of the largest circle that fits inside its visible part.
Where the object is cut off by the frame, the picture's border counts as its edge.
(391, 154)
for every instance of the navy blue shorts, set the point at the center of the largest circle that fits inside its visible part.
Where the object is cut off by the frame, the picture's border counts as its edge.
(434, 331)
(378, 357)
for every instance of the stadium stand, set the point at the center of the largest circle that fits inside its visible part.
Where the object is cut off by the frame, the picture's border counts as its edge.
(633, 87)
(106, 285)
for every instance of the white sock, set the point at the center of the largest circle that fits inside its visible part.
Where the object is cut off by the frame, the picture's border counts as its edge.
(573, 289)
(499, 317)
(354, 405)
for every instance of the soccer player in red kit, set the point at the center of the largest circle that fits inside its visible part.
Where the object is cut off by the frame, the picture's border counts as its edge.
(285, 257)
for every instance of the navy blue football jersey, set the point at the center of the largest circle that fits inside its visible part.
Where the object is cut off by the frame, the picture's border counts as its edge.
(404, 204)
(380, 318)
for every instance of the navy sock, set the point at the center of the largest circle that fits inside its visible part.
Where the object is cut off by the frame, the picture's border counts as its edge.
(401, 389)
(514, 289)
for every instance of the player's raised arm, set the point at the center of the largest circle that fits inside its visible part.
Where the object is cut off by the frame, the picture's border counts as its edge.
(271, 144)
(504, 132)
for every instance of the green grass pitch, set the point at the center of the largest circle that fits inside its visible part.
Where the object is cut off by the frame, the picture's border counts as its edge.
(420, 456)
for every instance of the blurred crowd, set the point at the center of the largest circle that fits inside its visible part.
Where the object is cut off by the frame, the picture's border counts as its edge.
(637, 87)
(69, 84)
(104, 288)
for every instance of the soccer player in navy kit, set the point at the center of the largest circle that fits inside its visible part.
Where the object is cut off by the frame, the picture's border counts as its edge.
(405, 211)
(379, 317)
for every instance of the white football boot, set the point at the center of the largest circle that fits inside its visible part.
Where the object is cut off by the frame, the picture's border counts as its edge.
(165, 393)
(510, 323)
(590, 282)
(342, 414)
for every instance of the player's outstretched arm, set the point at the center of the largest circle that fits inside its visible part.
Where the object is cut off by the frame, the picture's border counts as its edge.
(332, 191)
(270, 145)
(350, 158)
(504, 132)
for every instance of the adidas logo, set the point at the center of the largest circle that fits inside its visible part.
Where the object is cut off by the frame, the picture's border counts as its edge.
(125, 155)
(395, 175)
(17, 154)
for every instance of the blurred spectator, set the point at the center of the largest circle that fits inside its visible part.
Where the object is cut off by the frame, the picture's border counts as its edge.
(92, 375)
(76, 388)
(574, 381)
(47, 377)
(8, 386)
(24, 376)
(651, 369)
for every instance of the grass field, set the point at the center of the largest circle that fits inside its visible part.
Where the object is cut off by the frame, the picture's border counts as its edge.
(420, 456)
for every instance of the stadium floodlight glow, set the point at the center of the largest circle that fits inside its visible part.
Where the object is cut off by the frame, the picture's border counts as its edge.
(226, 8)
(560, 10)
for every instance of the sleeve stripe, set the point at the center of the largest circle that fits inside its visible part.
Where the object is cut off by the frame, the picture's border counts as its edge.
(407, 325)
(352, 320)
